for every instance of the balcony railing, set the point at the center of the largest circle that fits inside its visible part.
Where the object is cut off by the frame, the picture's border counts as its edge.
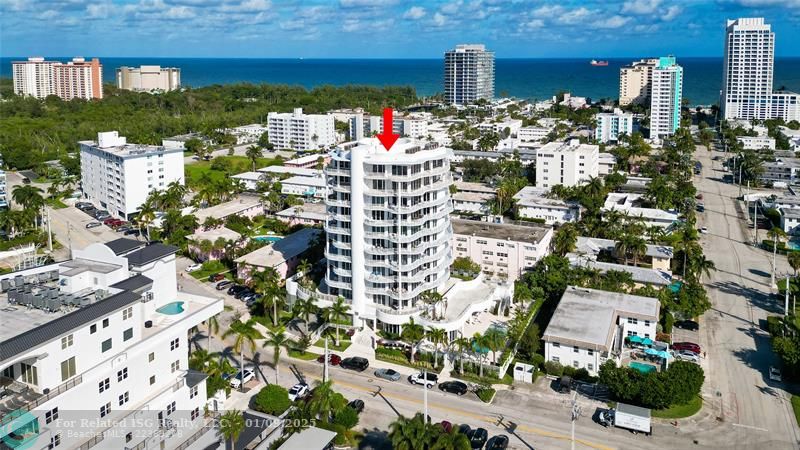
(53, 393)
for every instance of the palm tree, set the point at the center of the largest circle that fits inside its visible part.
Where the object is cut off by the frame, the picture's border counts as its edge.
(244, 333)
(29, 197)
(495, 341)
(304, 308)
(777, 234)
(303, 268)
(265, 282)
(277, 340)
(146, 216)
(794, 261)
(325, 401)
(637, 247)
(338, 311)
(700, 266)
(565, 239)
(200, 359)
(436, 336)
(411, 434)
(253, 153)
(231, 425)
(454, 440)
(218, 367)
(213, 328)
(478, 344)
(413, 333)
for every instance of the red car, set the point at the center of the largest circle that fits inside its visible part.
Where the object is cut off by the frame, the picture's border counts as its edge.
(109, 221)
(690, 346)
(446, 426)
(333, 360)
(118, 223)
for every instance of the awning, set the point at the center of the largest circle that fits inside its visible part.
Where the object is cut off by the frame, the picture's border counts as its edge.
(647, 341)
(635, 339)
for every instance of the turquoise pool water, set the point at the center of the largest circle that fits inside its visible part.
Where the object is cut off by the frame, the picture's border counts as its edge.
(171, 309)
(642, 367)
(271, 239)
(793, 244)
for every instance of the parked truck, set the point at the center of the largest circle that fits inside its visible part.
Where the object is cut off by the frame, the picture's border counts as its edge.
(634, 418)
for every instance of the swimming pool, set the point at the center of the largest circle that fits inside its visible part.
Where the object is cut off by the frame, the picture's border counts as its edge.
(793, 244)
(642, 367)
(270, 239)
(171, 309)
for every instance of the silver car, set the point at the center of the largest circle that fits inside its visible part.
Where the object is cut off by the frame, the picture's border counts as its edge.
(686, 355)
(387, 374)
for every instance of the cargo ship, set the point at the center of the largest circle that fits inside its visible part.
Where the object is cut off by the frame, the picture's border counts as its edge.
(599, 63)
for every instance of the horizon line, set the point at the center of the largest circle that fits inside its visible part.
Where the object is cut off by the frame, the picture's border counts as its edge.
(370, 58)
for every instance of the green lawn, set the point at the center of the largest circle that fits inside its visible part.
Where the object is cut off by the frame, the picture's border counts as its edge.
(55, 203)
(507, 379)
(685, 410)
(308, 356)
(343, 344)
(209, 268)
(233, 165)
(796, 407)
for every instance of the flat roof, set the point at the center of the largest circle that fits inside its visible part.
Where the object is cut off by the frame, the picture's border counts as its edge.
(475, 197)
(126, 150)
(249, 176)
(284, 170)
(283, 250)
(312, 438)
(466, 186)
(152, 252)
(235, 206)
(214, 234)
(593, 245)
(518, 233)
(318, 182)
(80, 265)
(587, 317)
(638, 274)
(317, 211)
(537, 196)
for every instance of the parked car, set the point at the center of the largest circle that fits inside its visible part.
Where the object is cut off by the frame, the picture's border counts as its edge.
(464, 429)
(298, 391)
(446, 426)
(606, 417)
(499, 442)
(690, 346)
(243, 293)
(388, 374)
(333, 359)
(357, 405)
(428, 379)
(686, 355)
(123, 228)
(83, 205)
(223, 284)
(109, 221)
(478, 437)
(214, 277)
(700, 207)
(242, 377)
(454, 387)
(133, 231)
(775, 374)
(355, 363)
(101, 214)
(193, 267)
(690, 325)
(93, 225)
(233, 290)
(704, 230)
(565, 384)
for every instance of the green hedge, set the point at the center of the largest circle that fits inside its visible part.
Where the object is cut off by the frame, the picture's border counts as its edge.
(396, 356)
(485, 394)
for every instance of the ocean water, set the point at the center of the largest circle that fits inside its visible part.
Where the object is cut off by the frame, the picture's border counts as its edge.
(524, 78)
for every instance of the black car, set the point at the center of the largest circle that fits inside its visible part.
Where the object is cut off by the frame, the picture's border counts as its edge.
(123, 228)
(132, 231)
(464, 429)
(243, 293)
(355, 363)
(223, 284)
(690, 325)
(499, 442)
(478, 437)
(235, 289)
(454, 387)
(357, 405)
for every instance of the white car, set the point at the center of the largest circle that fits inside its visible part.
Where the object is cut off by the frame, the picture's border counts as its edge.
(242, 377)
(298, 391)
(428, 379)
(686, 355)
(775, 374)
(704, 230)
(194, 267)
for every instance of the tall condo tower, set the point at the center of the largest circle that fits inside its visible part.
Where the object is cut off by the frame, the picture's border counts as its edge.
(665, 102)
(468, 74)
(747, 69)
(388, 227)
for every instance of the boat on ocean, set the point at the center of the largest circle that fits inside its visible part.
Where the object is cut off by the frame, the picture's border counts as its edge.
(599, 63)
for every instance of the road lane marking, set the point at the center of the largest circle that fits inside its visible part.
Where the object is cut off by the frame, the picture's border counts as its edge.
(750, 427)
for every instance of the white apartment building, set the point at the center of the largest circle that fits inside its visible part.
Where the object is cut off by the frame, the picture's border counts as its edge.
(569, 163)
(504, 251)
(782, 170)
(94, 353)
(534, 203)
(307, 161)
(39, 78)
(118, 176)
(304, 186)
(511, 125)
(298, 131)
(748, 66)
(279, 172)
(413, 126)
(388, 229)
(468, 74)
(611, 125)
(606, 163)
(666, 97)
(533, 134)
(149, 78)
(636, 82)
(246, 134)
(756, 142)
(630, 204)
(589, 326)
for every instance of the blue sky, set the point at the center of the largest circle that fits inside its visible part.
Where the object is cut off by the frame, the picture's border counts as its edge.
(382, 28)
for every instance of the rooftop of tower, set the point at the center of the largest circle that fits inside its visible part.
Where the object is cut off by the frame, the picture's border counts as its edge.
(372, 146)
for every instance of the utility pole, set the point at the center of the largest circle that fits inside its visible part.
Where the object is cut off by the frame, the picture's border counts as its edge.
(786, 300)
(576, 412)
(774, 260)
(425, 395)
(49, 232)
(755, 221)
(740, 178)
(325, 366)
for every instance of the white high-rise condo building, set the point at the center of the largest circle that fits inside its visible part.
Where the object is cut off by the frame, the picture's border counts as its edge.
(636, 82)
(665, 102)
(75, 79)
(389, 231)
(569, 163)
(468, 74)
(94, 353)
(748, 72)
(611, 125)
(148, 78)
(298, 131)
(118, 177)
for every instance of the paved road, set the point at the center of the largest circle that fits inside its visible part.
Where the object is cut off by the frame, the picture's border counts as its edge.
(739, 353)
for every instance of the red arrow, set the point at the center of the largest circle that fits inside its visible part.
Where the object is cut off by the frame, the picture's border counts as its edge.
(388, 137)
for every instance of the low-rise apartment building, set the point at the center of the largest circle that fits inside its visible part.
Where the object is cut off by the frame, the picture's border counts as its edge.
(610, 126)
(567, 163)
(606, 162)
(283, 256)
(756, 142)
(630, 204)
(504, 251)
(475, 198)
(534, 203)
(310, 214)
(589, 326)
(782, 170)
(533, 133)
(308, 162)
(304, 186)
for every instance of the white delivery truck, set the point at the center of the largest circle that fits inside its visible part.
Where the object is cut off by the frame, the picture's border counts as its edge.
(634, 418)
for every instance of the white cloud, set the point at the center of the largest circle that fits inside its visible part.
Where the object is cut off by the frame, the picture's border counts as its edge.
(546, 11)
(179, 12)
(640, 6)
(671, 13)
(366, 3)
(768, 3)
(575, 16)
(415, 13)
(531, 25)
(439, 19)
(611, 23)
(98, 10)
(292, 25)
(246, 6)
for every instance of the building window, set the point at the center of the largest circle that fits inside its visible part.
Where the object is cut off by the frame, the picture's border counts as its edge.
(128, 437)
(175, 343)
(647, 323)
(575, 364)
(556, 345)
(66, 341)
(127, 334)
(105, 409)
(175, 366)
(631, 333)
(632, 321)
(123, 398)
(67, 369)
(590, 366)
(122, 374)
(151, 357)
(30, 374)
(152, 379)
(105, 322)
(193, 392)
(55, 441)
(51, 415)
(195, 413)
(170, 408)
(555, 358)
(590, 352)
(575, 349)
(103, 385)
(127, 313)
(106, 345)
(93, 329)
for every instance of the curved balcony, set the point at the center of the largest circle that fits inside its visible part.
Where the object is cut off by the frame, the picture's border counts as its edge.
(339, 217)
(443, 253)
(340, 244)
(387, 192)
(337, 284)
(440, 214)
(400, 295)
(405, 238)
(339, 187)
(329, 171)
(392, 316)
(335, 229)
(342, 272)
(410, 177)
(337, 203)
(336, 257)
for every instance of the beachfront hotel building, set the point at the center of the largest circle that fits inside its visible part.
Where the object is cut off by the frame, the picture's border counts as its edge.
(149, 78)
(748, 65)
(666, 97)
(610, 126)
(568, 163)
(388, 229)
(636, 82)
(39, 78)
(118, 176)
(298, 131)
(94, 353)
(468, 74)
